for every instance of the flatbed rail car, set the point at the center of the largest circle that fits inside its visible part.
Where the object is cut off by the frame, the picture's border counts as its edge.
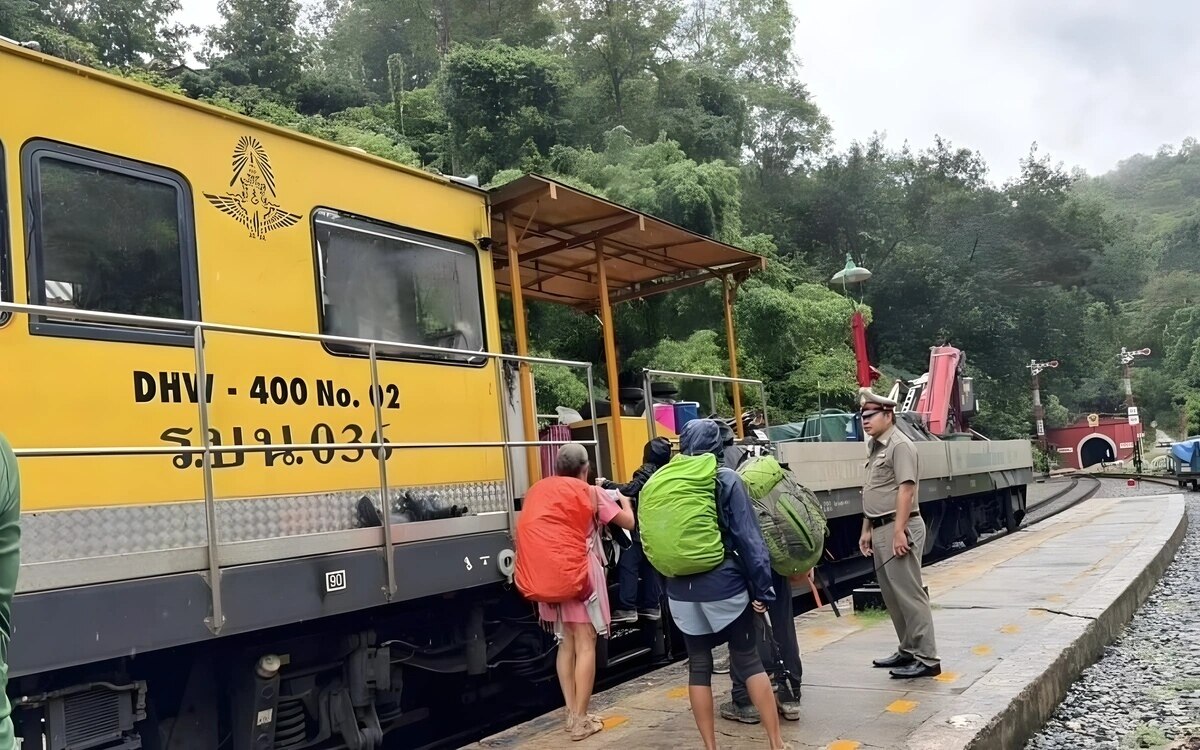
(966, 489)
(270, 450)
(968, 486)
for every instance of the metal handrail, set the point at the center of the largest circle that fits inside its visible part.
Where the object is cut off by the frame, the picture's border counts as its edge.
(806, 438)
(207, 450)
(146, 321)
(648, 376)
(698, 376)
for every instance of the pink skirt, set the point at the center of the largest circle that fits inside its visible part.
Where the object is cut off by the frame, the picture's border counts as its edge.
(551, 614)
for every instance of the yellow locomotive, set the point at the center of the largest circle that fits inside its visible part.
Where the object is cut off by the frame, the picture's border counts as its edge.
(270, 448)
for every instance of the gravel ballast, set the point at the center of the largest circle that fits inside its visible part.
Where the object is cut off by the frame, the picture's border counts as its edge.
(1144, 692)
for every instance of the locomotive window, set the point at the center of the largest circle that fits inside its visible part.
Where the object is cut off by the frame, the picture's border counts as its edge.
(380, 282)
(108, 235)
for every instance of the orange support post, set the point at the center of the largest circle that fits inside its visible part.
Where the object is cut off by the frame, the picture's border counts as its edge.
(730, 287)
(610, 363)
(528, 402)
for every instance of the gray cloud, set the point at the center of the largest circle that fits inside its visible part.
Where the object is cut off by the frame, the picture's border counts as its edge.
(1092, 81)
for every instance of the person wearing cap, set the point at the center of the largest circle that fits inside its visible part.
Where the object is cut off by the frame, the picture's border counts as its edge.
(893, 533)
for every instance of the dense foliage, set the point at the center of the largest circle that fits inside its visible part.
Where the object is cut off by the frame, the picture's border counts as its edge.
(696, 111)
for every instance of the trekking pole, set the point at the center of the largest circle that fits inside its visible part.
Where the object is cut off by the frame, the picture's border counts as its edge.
(783, 677)
(820, 576)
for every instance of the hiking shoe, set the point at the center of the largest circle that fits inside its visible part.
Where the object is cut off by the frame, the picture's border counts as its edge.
(650, 614)
(789, 710)
(624, 615)
(744, 714)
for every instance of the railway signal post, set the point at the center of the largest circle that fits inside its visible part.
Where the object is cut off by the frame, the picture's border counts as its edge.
(1039, 413)
(1131, 410)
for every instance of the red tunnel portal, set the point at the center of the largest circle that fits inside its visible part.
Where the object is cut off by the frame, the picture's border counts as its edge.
(1080, 445)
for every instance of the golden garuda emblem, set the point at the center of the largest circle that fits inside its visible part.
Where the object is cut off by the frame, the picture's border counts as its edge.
(253, 201)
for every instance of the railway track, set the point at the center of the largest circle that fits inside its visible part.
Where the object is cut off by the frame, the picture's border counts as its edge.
(1080, 488)
(1152, 478)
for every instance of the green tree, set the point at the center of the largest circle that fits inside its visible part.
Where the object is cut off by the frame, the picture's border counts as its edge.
(797, 340)
(497, 100)
(421, 120)
(557, 385)
(392, 46)
(1149, 314)
(261, 37)
(1056, 414)
(702, 109)
(660, 179)
(18, 19)
(749, 39)
(325, 94)
(124, 32)
(618, 41)
(700, 353)
(785, 128)
(517, 23)
(364, 35)
(1180, 247)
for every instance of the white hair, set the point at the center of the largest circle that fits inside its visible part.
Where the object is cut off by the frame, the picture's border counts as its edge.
(571, 460)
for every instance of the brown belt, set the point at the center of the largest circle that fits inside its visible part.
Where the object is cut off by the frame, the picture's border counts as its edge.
(884, 520)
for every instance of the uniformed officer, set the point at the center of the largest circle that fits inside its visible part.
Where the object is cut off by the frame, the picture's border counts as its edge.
(894, 534)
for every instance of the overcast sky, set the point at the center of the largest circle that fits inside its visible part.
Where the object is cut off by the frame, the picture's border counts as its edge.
(200, 12)
(1092, 81)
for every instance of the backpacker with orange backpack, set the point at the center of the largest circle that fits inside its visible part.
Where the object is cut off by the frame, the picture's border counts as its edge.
(552, 535)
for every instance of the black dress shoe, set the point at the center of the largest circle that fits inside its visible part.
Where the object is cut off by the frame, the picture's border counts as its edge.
(916, 669)
(897, 659)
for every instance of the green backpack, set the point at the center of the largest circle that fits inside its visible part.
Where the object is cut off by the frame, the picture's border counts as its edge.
(792, 522)
(677, 517)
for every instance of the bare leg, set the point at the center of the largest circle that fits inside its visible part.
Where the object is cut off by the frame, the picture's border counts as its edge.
(763, 697)
(565, 666)
(701, 698)
(584, 636)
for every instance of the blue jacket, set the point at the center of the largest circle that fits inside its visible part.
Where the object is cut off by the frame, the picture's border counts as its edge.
(748, 567)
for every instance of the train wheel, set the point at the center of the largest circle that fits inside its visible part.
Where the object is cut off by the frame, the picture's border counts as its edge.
(1011, 521)
(970, 537)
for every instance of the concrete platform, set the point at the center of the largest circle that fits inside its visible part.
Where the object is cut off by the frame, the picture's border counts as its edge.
(1017, 620)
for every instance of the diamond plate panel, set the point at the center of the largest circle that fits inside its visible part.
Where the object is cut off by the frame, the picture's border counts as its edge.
(98, 532)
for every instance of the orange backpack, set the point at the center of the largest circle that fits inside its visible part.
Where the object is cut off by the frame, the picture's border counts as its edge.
(552, 540)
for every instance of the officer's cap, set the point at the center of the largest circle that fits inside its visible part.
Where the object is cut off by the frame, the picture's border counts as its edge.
(868, 399)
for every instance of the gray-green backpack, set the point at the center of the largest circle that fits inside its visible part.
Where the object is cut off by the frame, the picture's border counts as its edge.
(792, 522)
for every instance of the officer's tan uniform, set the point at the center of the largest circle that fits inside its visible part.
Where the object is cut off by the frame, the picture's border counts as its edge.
(892, 461)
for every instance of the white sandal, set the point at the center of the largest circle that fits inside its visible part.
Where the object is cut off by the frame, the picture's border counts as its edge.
(583, 729)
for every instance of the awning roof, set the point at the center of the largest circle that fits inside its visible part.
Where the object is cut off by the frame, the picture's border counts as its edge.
(556, 228)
